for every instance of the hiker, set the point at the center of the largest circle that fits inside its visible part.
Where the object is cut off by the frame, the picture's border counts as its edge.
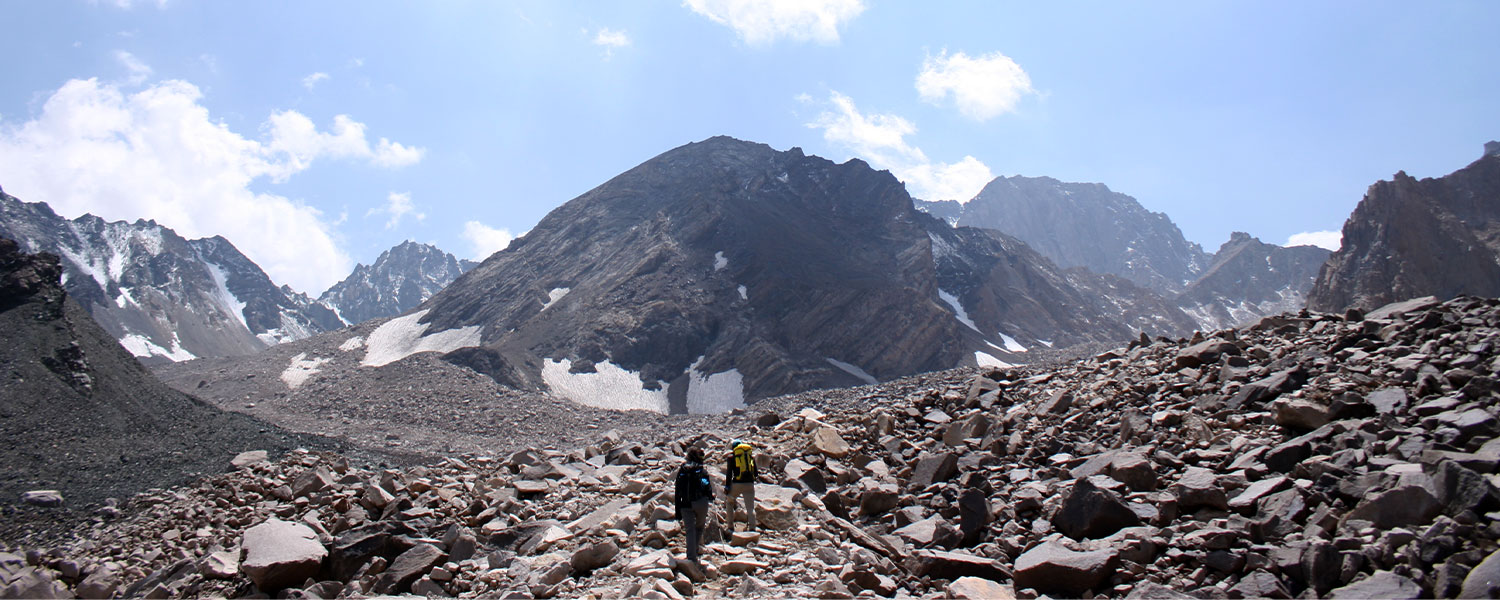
(740, 481)
(693, 492)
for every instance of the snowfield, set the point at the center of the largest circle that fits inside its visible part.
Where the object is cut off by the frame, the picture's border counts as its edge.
(401, 337)
(300, 369)
(958, 309)
(141, 347)
(853, 370)
(555, 295)
(610, 387)
(712, 394)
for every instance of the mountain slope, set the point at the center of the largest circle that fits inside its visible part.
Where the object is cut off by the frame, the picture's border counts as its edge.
(724, 270)
(403, 277)
(164, 297)
(81, 415)
(1250, 279)
(1005, 287)
(1087, 225)
(1410, 238)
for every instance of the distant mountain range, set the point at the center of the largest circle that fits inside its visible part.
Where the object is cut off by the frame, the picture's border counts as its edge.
(170, 299)
(1088, 225)
(724, 271)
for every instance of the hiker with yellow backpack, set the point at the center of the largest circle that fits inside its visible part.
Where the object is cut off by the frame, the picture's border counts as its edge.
(741, 481)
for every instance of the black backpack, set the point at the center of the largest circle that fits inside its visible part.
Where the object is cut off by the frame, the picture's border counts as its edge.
(695, 483)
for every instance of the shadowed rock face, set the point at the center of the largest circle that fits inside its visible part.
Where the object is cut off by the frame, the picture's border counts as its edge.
(165, 297)
(1410, 238)
(725, 254)
(80, 415)
(647, 271)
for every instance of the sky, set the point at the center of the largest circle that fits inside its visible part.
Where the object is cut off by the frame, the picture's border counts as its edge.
(314, 135)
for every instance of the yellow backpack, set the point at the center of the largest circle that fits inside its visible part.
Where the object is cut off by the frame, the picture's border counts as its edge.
(744, 460)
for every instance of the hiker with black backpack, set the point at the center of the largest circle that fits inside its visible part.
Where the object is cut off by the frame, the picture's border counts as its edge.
(740, 478)
(693, 493)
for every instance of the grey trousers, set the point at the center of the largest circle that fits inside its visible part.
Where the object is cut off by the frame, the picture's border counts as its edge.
(746, 491)
(693, 521)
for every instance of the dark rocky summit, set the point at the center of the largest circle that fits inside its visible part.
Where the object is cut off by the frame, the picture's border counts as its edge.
(1249, 279)
(1088, 225)
(1409, 238)
(403, 277)
(725, 270)
(79, 415)
(1300, 456)
(163, 297)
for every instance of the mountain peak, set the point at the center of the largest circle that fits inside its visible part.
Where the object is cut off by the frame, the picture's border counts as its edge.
(1492, 148)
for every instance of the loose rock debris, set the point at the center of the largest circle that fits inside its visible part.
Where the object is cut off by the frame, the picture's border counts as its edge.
(1306, 455)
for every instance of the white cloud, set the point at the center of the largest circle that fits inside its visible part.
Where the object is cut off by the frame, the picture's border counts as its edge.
(485, 240)
(158, 154)
(129, 4)
(1330, 240)
(983, 87)
(610, 38)
(881, 140)
(760, 22)
(298, 141)
(312, 80)
(398, 206)
(138, 71)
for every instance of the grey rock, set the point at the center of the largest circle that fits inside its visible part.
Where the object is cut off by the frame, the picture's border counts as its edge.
(1088, 512)
(280, 554)
(1404, 506)
(1199, 487)
(1382, 584)
(1052, 568)
(407, 568)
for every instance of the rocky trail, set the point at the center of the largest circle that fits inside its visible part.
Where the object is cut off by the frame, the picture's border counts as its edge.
(1342, 456)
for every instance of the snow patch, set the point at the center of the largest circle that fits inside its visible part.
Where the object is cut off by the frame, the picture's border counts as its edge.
(744, 294)
(857, 372)
(985, 360)
(227, 299)
(712, 394)
(719, 261)
(783, 178)
(958, 309)
(300, 369)
(401, 337)
(352, 344)
(1011, 344)
(555, 295)
(140, 346)
(610, 387)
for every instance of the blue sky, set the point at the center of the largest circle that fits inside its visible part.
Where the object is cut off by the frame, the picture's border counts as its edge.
(315, 135)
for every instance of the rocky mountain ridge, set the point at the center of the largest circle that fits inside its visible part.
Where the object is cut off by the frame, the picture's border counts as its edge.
(1089, 226)
(1249, 279)
(725, 271)
(163, 297)
(170, 299)
(1408, 238)
(1305, 455)
(79, 415)
(400, 279)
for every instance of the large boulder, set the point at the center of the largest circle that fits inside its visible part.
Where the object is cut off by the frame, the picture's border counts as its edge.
(974, 588)
(1052, 568)
(1089, 511)
(280, 554)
